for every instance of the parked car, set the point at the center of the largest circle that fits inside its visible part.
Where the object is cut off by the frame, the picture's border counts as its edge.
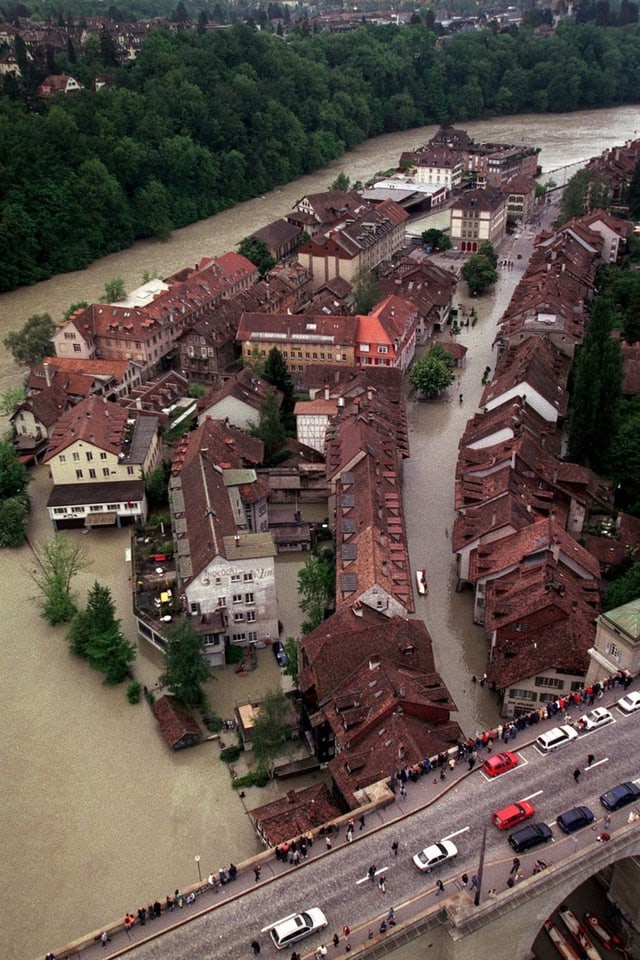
(594, 719)
(556, 737)
(575, 819)
(630, 701)
(620, 796)
(499, 763)
(297, 926)
(515, 813)
(435, 854)
(530, 836)
(280, 653)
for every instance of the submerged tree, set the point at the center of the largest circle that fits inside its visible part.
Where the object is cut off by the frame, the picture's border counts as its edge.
(270, 729)
(60, 561)
(33, 341)
(316, 587)
(186, 667)
(433, 373)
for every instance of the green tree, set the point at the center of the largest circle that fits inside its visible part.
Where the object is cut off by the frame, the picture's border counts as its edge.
(59, 561)
(316, 588)
(186, 667)
(156, 485)
(433, 373)
(291, 650)
(487, 250)
(341, 183)
(479, 273)
(366, 291)
(114, 290)
(633, 195)
(270, 429)
(573, 202)
(111, 653)
(436, 239)
(270, 729)
(276, 371)
(79, 633)
(33, 342)
(256, 251)
(13, 521)
(80, 305)
(623, 590)
(14, 476)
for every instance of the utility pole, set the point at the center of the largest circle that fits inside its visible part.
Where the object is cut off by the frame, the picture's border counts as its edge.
(476, 900)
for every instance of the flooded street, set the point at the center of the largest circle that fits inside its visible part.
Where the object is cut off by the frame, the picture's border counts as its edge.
(101, 815)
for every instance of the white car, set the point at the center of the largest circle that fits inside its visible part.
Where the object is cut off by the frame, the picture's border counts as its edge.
(296, 926)
(595, 718)
(630, 701)
(437, 853)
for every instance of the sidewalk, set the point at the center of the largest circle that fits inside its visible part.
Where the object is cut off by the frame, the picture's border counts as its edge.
(427, 790)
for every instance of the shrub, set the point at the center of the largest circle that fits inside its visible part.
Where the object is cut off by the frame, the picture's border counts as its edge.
(214, 723)
(233, 653)
(256, 778)
(230, 754)
(133, 692)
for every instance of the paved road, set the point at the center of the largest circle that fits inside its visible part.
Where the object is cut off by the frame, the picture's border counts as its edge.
(459, 808)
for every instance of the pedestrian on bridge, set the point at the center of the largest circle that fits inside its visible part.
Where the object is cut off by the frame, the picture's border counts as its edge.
(372, 872)
(394, 847)
(255, 946)
(576, 774)
(590, 759)
(515, 865)
(382, 884)
(439, 887)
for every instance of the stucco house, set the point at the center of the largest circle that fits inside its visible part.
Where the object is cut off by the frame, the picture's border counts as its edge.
(478, 216)
(98, 456)
(617, 643)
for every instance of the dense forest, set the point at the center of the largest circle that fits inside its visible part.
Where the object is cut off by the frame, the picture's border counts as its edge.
(200, 122)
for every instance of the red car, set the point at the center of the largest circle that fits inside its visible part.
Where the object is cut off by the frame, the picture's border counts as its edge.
(515, 813)
(499, 763)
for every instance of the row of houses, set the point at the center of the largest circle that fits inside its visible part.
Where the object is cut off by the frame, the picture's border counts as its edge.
(523, 515)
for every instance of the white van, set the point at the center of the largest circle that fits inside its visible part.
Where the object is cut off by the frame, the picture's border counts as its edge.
(556, 737)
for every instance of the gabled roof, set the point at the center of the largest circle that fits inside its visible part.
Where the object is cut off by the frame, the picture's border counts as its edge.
(177, 725)
(46, 406)
(93, 421)
(293, 815)
(332, 331)
(388, 323)
(534, 364)
(244, 386)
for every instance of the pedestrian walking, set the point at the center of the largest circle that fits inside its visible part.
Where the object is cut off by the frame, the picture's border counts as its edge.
(382, 884)
(349, 835)
(461, 398)
(328, 843)
(391, 914)
(465, 879)
(321, 952)
(590, 759)
(510, 881)
(403, 791)
(346, 930)
(439, 887)
(515, 865)
(576, 774)
(336, 939)
(256, 872)
(472, 760)
(383, 926)
(104, 939)
(361, 821)
(255, 946)
(372, 872)
(394, 847)
(474, 882)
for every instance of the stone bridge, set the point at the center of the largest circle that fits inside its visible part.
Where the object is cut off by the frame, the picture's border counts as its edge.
(511, 921)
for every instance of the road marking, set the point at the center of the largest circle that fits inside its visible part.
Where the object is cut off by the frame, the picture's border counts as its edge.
(532, 795)
(457, 833)
(381, 870)
(597, 763)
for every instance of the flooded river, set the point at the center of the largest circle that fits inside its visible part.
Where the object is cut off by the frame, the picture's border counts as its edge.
(99, 815)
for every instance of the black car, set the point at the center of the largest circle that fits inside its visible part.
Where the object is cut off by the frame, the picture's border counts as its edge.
(280, 653)
(620, 796)
(575, 819)
(530, 836)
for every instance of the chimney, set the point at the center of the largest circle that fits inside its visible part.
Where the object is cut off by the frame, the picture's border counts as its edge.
(47, 373)
(326, 391)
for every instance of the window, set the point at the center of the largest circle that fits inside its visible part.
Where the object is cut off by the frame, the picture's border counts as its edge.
(517, 694)
(89, 455)
(238, 617)
(253, 636)
(78, 474)
(238, 637)
(249, 598)
(76, 457)
(237, 598)
(383, 348)
(103, 455)
(194, 607)
(62, 458)
(248, 577)
(112, 506)
(211, 640)
(235, 578)
(130, 471)
(69, 335)
(613, 651)
(77, 348)
(105, 471)
(554, 682)
(364, 348)
(222, 602)
(92, 474)
(251, 616)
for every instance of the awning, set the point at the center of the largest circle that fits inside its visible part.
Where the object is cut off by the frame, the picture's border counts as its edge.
(100, 519)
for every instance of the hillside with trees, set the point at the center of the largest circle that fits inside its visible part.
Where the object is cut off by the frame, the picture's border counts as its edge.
(201, 121)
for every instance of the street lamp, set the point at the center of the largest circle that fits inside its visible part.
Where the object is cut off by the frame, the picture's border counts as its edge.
(197, 859)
